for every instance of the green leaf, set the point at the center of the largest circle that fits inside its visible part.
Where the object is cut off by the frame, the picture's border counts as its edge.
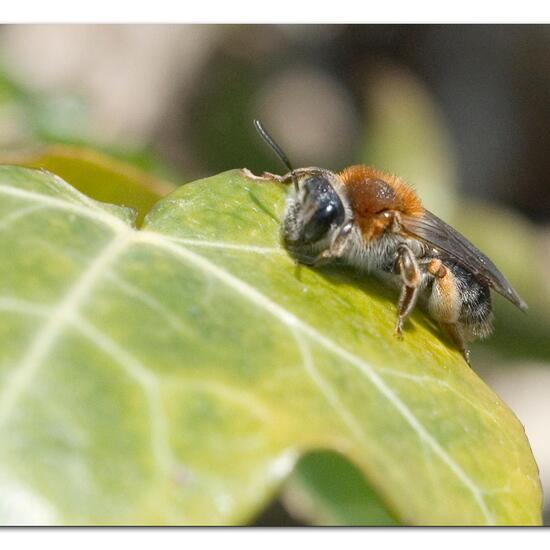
(176, 374)
(325, 489)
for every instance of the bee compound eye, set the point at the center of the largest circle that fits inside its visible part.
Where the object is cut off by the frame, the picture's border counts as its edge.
(321, 221)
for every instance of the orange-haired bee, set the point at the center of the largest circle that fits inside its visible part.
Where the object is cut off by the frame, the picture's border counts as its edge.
(376, 222)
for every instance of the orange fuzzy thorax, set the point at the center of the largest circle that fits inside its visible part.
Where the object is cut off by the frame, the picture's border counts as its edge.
(367, 192)
(372, 192)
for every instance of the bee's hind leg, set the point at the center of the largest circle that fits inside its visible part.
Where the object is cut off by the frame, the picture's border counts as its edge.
(444, 305)
(407, 267)
(455, 333)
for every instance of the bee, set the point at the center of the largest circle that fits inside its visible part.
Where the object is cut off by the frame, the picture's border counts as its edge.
(375, 221)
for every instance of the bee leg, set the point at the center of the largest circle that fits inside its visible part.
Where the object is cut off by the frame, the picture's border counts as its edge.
(266, 176)
(454, 332)
(336, 248)
(406, 303)
(410, 278)
(444, 305)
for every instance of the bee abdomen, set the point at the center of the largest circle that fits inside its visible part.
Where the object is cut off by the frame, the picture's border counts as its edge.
(476, 312)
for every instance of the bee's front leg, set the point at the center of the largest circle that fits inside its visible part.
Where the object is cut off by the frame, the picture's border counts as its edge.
(409, 272)
(336, 248)
(265, 177)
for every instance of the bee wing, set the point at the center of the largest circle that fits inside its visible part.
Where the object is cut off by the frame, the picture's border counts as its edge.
(434, 231)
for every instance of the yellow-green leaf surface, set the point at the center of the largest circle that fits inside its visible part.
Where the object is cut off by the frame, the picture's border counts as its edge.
(176, 374)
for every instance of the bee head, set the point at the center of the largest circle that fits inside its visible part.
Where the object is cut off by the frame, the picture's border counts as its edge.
(314, 214)
(316, 209)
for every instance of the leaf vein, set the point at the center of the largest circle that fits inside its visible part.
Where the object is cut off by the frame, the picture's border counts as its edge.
(148, 382)
(95, 214)
(288, 318)
(45, 339)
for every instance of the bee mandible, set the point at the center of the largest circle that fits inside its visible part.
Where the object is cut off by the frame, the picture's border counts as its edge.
(374, 221)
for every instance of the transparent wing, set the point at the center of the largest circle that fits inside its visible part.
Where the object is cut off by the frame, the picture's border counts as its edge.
(435, 232)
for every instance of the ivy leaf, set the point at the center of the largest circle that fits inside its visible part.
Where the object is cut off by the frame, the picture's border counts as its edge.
(176, 374)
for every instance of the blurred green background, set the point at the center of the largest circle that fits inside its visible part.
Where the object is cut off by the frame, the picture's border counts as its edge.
(461, 112)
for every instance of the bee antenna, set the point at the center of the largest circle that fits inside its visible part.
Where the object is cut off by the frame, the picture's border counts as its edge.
(278, 151)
